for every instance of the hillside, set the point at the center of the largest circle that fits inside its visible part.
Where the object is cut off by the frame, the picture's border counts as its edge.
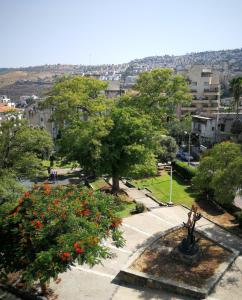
(16, 82)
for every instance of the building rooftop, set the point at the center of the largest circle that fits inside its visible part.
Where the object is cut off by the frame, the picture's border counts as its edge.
(5, 108)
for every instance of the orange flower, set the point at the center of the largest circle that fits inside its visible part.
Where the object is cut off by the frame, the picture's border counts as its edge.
(76, 245)
(47, 188)
(79, 250)
(85, 202)
(70, 193)
(56, 202)
(27, 194)
(37, 224)
(65, 256)
(116, 222)
(85, 212)
(20, 200)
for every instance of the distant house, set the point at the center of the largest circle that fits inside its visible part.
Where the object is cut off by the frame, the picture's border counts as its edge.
(114, 89)
(215, 128)
(8, 110)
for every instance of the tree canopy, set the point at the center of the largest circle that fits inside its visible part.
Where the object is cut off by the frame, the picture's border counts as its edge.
(22, 149)
(214, 174)
(160, 92)
(115, 136)
(50, 229)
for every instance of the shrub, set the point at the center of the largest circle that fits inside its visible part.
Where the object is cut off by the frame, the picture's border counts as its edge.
(238, 216)
(184, 170)
(50, 229)
(139, 208)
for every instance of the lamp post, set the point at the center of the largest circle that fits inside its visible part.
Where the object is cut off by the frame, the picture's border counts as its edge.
(189, 146)
(170, 203)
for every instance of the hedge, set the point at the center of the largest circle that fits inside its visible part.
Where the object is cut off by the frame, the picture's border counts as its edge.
(184, 170)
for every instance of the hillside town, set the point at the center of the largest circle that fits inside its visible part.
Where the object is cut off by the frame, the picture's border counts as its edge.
(211, 107)
(120, 150)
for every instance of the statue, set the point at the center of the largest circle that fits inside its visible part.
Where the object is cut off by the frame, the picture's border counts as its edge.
(189, 245)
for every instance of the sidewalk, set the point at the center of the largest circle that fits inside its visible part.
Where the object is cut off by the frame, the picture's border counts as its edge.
(139, 196)
(98, 283)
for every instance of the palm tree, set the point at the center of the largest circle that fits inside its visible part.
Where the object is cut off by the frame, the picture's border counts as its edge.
(236, 90)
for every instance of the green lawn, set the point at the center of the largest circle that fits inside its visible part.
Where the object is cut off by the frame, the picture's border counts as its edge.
(126, 211)
(98, 184)
(160, 187)
(59, 164)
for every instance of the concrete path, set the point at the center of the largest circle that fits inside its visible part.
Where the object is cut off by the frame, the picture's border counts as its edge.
(99, 283)
(139, 196)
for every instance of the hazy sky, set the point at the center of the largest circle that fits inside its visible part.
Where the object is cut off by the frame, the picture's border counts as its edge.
(34, 32)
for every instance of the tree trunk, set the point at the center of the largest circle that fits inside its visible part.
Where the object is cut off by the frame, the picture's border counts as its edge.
(115, 179)
(43, 286)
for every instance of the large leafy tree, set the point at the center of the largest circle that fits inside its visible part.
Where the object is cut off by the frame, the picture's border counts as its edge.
(213, 173)
(22, 149)
(50, 229)
(108, 136)
(77, 97)
(123, 139)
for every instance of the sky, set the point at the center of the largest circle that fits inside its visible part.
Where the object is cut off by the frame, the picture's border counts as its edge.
(37, 32)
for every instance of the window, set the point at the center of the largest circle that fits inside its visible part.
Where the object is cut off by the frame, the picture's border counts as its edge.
(206, 83)
(222, 127)
(194, 83)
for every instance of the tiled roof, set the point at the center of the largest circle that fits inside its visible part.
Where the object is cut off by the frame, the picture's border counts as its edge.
(5, 108)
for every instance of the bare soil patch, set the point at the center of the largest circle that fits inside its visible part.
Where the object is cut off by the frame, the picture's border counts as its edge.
(157, 261)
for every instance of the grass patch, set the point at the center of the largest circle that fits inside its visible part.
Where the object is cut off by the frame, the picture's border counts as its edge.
(127, 207)
(99, 184)
(59, 164)
(160, 187)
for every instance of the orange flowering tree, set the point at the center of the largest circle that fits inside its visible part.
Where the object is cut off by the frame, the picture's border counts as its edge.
(51, 229)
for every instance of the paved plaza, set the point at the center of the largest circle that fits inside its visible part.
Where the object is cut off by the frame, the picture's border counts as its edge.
(100, 283)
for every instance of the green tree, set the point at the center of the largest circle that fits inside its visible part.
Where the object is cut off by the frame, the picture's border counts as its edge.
(210, 173)
(108, 136)
(53, 228)
(159, 92)
(127, 141)
(178, 128)
(77, 97)
(22, 149)
(228, 182)
(236, 90)
(168, 149)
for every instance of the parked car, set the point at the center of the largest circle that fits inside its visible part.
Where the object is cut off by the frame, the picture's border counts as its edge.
(184, 155)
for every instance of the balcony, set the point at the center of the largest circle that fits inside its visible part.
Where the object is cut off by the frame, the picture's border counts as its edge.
(214, 91)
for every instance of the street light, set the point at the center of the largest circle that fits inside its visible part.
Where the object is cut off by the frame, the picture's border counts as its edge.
(170, 203)
(189, 146)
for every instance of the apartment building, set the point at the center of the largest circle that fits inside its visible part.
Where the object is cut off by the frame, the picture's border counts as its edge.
(205, 88)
